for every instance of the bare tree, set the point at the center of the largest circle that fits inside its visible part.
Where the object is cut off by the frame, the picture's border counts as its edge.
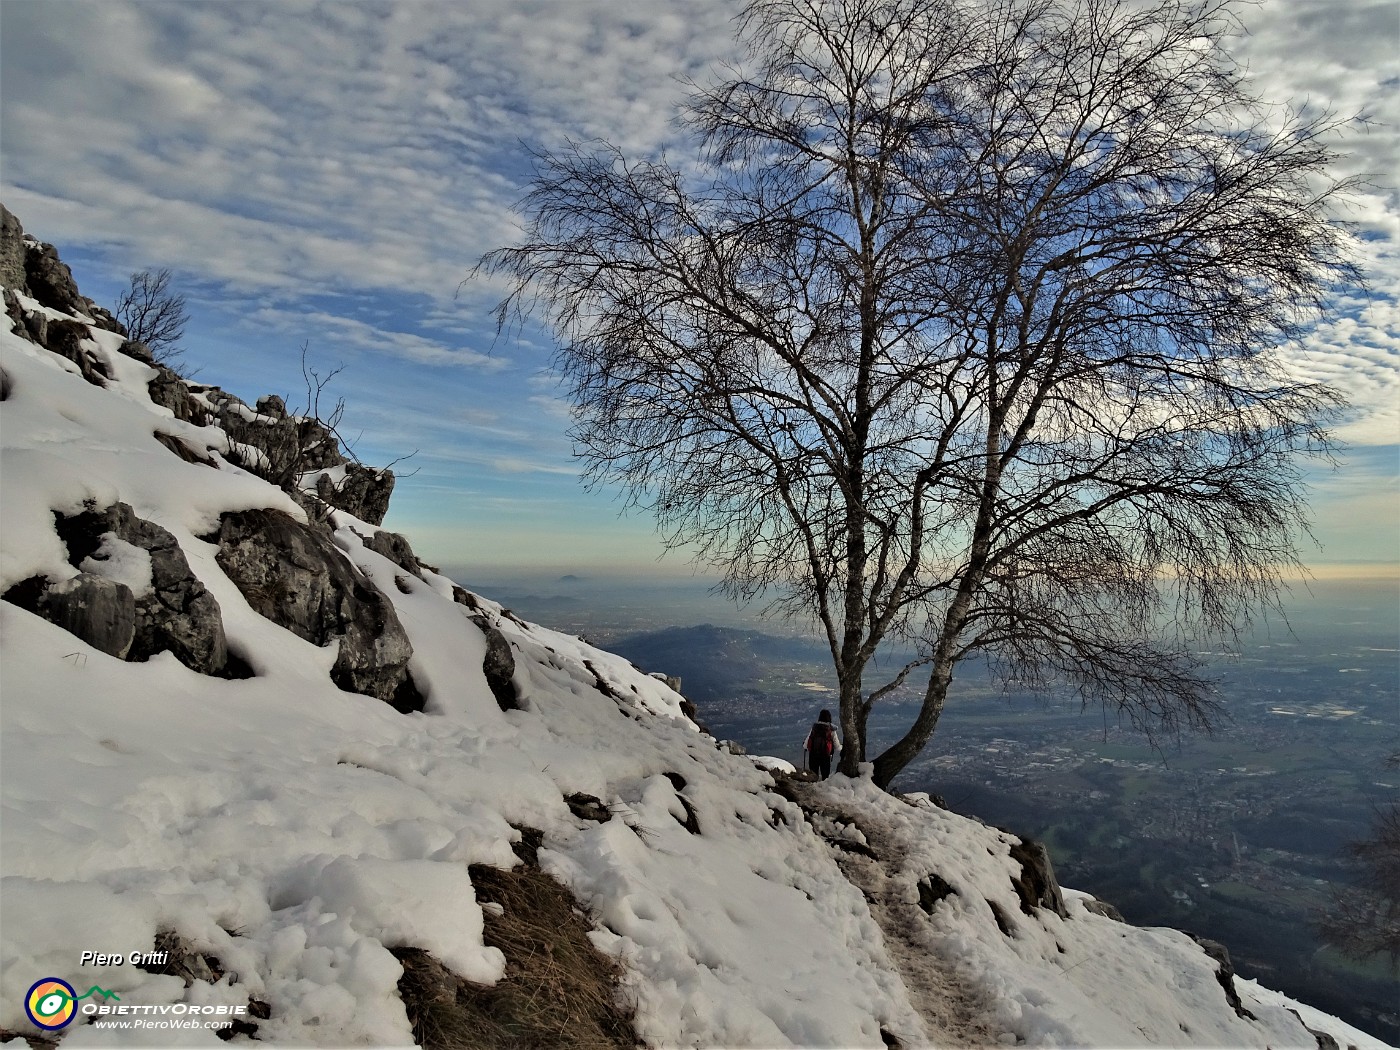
(154, 314)
(961, 329)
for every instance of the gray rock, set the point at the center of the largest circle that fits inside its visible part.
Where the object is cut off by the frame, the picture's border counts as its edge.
(66, 339)
(1037, 886)
(499, 666)
(179, 614)
(22, 323)
(36, 270)
(364, 492)
(1224, 973)
(317, 446)
(397, 549)
(172, 392)
(588, 807)
(272, 405)
(12, 250)
(100, 611)
(1108, 911)
(293, 574)
(49, 280)
(102, 318)
(292, 445)
(140, 351)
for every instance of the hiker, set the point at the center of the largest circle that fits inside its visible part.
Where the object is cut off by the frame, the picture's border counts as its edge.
(821, 743)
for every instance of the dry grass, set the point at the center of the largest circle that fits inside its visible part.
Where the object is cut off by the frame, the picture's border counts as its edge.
(558, 990)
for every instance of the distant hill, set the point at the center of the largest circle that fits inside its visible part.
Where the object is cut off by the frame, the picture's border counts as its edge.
(717, 662)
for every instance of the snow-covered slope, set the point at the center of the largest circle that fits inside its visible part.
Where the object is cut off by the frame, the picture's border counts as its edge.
(298, 832)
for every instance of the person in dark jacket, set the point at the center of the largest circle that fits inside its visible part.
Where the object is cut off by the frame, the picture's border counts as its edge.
(821, 744)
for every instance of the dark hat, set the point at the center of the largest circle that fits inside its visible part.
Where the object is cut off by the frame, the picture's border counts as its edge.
(825, 716)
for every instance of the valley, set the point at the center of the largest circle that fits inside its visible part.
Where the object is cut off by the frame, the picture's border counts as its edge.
(1238, 837)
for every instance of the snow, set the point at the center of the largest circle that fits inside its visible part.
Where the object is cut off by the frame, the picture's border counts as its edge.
(298, 832)
(123, 562)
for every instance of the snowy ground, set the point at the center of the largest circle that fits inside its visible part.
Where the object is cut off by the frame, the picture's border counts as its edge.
(297, 831)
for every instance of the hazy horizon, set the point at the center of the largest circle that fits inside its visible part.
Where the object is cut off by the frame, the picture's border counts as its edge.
(587, 598)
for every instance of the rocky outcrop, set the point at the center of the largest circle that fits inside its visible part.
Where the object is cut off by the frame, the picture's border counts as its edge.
(66, 339)
(268, 441)
(174, 610)
(35, 269)
(281, 448)
(100, 611)
(499, 666)
(289, 445)
(1108, 911)
(362, 491)
(293, 574)
(134, 596)
(1037, 886)
(12, 250)
(49, 280)
(168, 390)
(1224, 973)
(397, 549)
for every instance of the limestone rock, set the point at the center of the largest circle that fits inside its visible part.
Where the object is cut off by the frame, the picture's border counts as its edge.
(1224, 973)
(140, 351)
(363, 492)
(22, 323)
(12, 250)
(49, 280)
(499, 666)
(66, 339)
(172, 392)
(272, 405)
(175, 612)
(1037, 886)
(290, 445)
(36, 270)
(293, 574)
(397, 549)
(100, 611)
(1108, 911)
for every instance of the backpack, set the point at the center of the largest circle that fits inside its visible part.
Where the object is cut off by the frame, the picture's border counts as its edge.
(823, 740)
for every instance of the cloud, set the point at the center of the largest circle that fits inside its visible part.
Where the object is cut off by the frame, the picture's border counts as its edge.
(336, 169)
(1320, 56)
(331, 145)
(350, 333)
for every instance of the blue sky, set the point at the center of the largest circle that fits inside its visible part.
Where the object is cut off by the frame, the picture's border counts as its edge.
(328, 174)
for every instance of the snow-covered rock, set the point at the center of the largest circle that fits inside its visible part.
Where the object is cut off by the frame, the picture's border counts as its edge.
(299, 833)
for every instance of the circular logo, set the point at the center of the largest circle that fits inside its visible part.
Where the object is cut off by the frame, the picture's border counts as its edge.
(50, 1003)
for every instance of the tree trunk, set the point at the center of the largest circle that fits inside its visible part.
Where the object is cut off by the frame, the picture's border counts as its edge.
(891, 762)
(852, 731)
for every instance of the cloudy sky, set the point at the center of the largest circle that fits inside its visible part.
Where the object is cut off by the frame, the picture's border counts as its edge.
(328, 174)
